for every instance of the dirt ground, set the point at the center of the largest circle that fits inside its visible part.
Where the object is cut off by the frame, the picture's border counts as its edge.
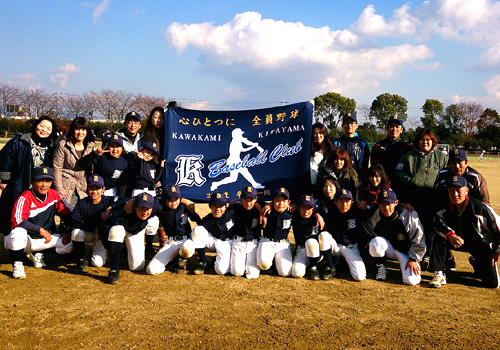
(56, 308)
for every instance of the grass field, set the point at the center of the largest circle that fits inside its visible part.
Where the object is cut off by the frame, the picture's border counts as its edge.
(55, 308)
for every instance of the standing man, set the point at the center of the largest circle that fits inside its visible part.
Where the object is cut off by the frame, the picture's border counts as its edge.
(388, 151)
(470, 226)
(130, 133)
(356, 146)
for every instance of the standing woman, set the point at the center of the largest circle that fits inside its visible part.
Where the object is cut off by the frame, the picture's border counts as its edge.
(69, 175)
(416, 173)
(155, 129)
(18, 158)
(321, 146)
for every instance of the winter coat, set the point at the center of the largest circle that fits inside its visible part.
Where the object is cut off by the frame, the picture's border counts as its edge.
(69, 176)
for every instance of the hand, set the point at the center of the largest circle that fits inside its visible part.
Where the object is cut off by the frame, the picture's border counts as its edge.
(99, 151)
(362, 205)
(292, 208)
(139, 155)
(106, 214)
(66, 238)
(45, 234)
(263, 221)
(319, 221)
(266, 209)
(456, 241)
(494, 258)
(162, 163)
(129, 207)
(414, 268)
(407, 206)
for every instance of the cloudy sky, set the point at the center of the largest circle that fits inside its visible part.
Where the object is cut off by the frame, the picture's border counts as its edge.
(253, 54)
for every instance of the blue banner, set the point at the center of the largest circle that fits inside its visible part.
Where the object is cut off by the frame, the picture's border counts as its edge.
(224, 151)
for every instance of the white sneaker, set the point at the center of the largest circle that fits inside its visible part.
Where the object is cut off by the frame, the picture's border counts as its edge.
(18, 270)
(381, 272)
(37, 259)
(438, 280)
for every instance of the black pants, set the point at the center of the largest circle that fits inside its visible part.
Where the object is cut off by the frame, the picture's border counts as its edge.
(479, 251)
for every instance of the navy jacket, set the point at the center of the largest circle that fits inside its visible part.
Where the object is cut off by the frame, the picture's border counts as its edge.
(358, 150)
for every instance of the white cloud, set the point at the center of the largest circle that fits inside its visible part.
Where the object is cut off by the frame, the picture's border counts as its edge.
(200, 105)
(254, 52)
(236, 93)
(99, 10)
(62, 74)
(371, 24)
(137, 12)
(26, 80)
(490, 100)
(490, 59)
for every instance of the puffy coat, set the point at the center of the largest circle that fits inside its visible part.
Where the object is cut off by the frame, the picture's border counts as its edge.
(69, 176)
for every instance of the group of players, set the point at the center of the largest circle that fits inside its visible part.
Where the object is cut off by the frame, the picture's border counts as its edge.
(248, 236)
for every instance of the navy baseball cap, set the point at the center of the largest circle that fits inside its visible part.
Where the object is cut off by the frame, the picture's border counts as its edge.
(41, 173)
(456, 181)
(395, 119)
(343, 193)
(132, 115)
(115, 139)
(458, 154)
(217, 198)
(171, 191)
(153, 146)
(349, 116)
(248, 192)
(306, 200)
(144, 200)
(386, 196)
(95, 180)
(281, 191)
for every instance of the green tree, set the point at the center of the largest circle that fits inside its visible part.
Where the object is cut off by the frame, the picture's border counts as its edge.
(450, 126)
(489, 117)
(386, 106)
(330, 107)
(432, 110)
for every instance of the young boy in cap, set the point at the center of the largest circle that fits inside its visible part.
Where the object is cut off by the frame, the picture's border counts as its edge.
(247, 233)
(466, 225)
(345, 235)
(398, 235)
(111, 165)
(173, 216)
(86, 218)
(130, 229)
(215, 233)
(32, 222)
(274, 245)
(306, 233)
(357, 147)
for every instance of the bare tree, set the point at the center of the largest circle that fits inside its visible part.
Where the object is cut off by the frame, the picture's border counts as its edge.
(9, 95)
(471, 113)
(30, 99)
(363, 111)
(143, 104)
(78, 106)
(113, 105)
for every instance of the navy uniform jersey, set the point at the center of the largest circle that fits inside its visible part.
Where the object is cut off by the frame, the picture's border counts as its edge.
(145, 174)
(348, 228)
(112, 170)
(278, 225)
(175, 221)
(324, 207)
(394, 231)
(87, 216)
(247, 222)
(303, 229)
(221, 228)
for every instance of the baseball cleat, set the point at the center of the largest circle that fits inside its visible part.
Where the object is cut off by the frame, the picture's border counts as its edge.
(438, 280)
(18, 270)
(314, 274)
(328, 273)
(37, 259)
(113, 277)
(82, 264)
(200, 269)
(381, 272)
(181, 265)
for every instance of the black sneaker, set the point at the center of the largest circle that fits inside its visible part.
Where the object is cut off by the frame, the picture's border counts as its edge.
(181, 265)
(328, 273)
(200, 269)
(82, 264)
(451, 264)
(314, 274)
(113, 277)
